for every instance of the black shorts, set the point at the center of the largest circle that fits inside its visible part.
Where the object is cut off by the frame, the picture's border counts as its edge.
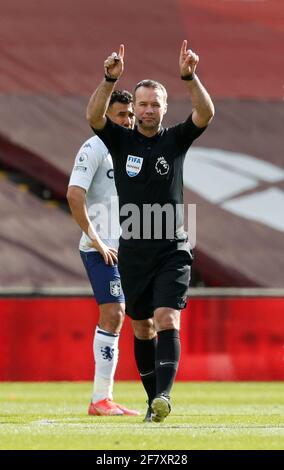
(154, 274)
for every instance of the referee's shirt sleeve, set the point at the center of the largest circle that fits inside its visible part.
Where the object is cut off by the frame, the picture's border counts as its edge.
(111, 136)
(186, 132)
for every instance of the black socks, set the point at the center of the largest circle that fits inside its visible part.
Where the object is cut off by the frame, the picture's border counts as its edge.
(145, 354)
(157, 362)
(167, 359)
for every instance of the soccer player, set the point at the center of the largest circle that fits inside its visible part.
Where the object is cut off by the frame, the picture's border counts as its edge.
(148, 171)
(93, 201)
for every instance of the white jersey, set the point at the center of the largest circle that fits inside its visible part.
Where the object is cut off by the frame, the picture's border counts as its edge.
(93, 171)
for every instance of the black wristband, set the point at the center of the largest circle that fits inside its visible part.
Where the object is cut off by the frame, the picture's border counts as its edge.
(110, 79)
(189, 77)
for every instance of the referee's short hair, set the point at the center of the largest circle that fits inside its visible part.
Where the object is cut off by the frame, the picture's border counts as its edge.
(148, 83)
(121, 96)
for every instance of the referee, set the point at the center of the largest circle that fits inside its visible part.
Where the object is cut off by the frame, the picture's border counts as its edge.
(154, 254)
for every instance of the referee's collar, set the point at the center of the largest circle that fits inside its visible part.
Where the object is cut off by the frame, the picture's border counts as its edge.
(143, 138)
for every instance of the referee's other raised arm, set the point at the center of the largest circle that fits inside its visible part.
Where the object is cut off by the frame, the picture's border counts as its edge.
(99, 101)
(203, 107)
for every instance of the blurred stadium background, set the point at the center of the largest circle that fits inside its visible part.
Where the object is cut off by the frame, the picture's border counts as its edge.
(51, 56)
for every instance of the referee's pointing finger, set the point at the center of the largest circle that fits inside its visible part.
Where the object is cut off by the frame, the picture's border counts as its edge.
(183, 48)
(121, 51)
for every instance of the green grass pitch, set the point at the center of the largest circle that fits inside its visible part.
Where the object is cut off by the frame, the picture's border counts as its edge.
(215, 415)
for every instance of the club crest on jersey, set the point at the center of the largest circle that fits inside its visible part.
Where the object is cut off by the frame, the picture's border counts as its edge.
(133, 165)
(115, 288)
(162, 167)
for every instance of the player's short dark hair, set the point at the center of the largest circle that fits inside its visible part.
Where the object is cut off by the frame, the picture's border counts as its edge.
(151, 84)
(121, 96)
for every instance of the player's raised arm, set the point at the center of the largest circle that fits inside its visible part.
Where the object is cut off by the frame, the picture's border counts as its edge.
(99, 101)
(203, 108)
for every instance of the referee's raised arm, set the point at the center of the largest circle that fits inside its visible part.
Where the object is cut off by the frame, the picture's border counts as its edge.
(203, 107)
(99, 101)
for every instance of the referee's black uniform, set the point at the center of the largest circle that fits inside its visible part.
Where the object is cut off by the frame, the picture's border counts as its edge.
(149, 170)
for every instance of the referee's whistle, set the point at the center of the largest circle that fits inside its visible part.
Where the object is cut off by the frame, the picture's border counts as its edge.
(116, 57)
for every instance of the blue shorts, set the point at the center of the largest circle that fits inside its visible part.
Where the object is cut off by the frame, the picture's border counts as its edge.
(104, 279)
